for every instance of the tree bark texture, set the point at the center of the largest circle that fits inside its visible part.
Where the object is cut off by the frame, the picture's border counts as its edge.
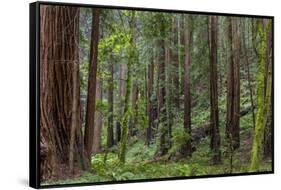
(92, 78)
(214, 112)
(60, 125)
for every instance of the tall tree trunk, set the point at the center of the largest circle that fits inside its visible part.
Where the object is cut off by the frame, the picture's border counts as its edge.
(122, 73)
(98, 119)
(75, 115)
(60, 125)
(150, 81)
(162, 110)
(267, 148)
(230, 80)
(91, 97)
(133, 119)
(236, 108)
(214, 116)
(110, 137)
(233, 85)
(132, 56)
(247, 67)
(176, 64)
(168, 89)
(187, 150)
(181, 42)
(263, 95)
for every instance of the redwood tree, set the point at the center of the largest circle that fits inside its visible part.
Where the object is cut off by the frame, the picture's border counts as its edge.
(214, 112)
(233, 85)
(61, 144)
(91, 97)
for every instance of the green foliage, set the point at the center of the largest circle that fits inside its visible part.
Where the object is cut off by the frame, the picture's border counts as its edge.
(179, 138)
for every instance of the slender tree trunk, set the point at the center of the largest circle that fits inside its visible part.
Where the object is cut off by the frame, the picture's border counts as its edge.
(91, 97)
(133, 119)
(168, 89)
(187, 151)
(230, 80)
(162, 110)
(60, 125)
(175, 61)
(236, 73)
(150, 81)
(110, 137)
(132, 56)
(233, 85)
(214, 116)
(181, 42)
(98, 120)
(247, 67)
(122, 73)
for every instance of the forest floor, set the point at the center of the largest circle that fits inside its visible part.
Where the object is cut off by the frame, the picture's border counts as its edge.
(141, 163)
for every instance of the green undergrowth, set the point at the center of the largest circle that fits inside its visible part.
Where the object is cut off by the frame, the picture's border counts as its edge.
(141, 163)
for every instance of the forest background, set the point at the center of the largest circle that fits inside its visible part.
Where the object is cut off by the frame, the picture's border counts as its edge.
(18, 180)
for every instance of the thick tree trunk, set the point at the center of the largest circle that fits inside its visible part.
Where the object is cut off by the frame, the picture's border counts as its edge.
(60, 127)
(110, 137)
(187, 150)
(214, 116)
(98, 120)
(91, 97)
